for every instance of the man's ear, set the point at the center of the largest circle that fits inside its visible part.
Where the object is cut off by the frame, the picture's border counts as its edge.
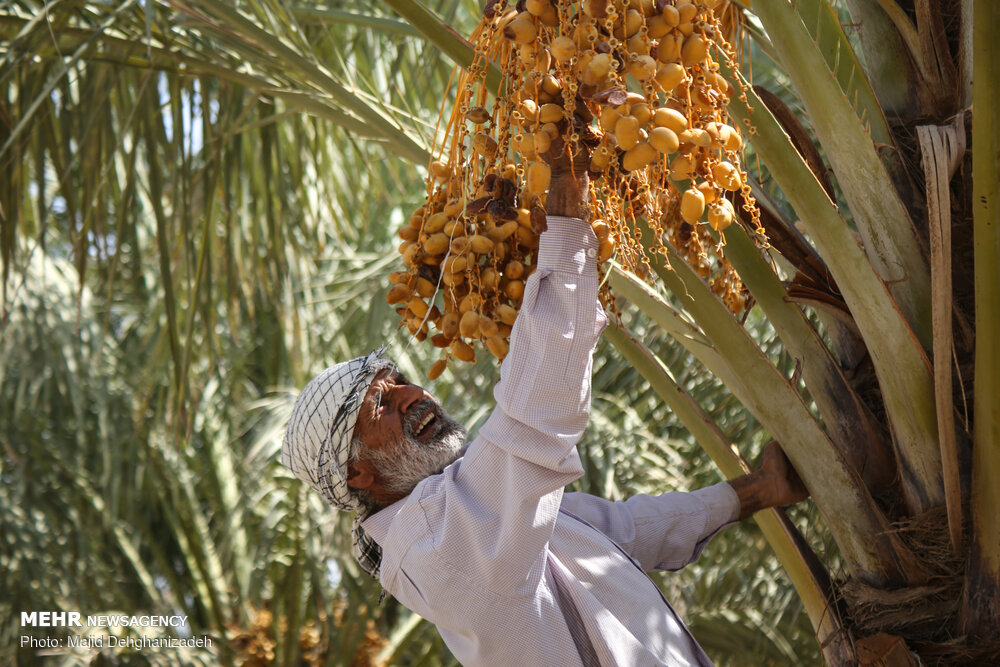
(360, 474)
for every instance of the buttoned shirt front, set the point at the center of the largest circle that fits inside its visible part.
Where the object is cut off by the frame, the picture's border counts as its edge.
(480, 549)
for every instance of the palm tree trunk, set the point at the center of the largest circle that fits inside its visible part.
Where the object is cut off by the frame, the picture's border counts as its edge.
(981, 605)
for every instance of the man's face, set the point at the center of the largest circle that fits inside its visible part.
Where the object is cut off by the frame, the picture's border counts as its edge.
(405, 435)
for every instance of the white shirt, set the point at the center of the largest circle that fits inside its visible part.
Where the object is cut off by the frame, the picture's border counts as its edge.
(476, 549)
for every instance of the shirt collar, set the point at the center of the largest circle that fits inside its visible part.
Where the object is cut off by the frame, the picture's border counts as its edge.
(377, 525)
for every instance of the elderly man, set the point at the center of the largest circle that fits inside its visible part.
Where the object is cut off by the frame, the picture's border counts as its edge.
(480, 538)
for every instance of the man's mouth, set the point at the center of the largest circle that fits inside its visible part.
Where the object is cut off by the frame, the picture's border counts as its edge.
(424, 429)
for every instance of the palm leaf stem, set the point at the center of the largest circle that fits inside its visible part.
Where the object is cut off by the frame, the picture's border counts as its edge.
(391, 653)
(820, 18)
(836, 486)
(330, 15)
(942, 151)
(882, 219)
(800, 137)
(445, 38)
(907, 31)
(966, 54)
(852, 517)
(809, 583)
(760, 38)
(164, 253)
(293, 596)
(849, 423)
(900, 363)
(786, 239)
(888, 65)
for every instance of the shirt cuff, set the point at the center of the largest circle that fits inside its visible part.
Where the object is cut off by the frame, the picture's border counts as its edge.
(569, 244)
(721, 502)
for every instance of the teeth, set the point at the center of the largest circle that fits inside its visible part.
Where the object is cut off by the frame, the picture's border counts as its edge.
(425, 421)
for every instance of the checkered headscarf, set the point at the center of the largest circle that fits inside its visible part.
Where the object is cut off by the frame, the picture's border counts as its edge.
(318, 441)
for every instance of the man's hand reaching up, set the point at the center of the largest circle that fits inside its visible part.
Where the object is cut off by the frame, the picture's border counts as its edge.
(569, 189)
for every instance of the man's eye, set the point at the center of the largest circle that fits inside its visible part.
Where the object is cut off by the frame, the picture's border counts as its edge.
(377, 404)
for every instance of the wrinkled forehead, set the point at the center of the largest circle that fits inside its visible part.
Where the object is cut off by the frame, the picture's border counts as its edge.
(385, 373)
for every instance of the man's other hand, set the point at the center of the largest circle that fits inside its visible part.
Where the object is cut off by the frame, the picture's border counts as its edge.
(774, 484)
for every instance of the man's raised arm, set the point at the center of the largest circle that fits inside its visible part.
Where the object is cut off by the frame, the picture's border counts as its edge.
(543, 397)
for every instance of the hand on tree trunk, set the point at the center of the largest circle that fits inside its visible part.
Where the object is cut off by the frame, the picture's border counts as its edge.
(774, 484)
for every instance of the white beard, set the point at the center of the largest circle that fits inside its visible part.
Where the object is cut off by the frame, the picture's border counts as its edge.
(403, 466)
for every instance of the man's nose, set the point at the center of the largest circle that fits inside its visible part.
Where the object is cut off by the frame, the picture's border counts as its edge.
(409, 395)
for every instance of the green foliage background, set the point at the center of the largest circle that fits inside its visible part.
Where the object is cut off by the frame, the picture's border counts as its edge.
(192, 228)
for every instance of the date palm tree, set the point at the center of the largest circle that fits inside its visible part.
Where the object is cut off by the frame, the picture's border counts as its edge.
(199, 202)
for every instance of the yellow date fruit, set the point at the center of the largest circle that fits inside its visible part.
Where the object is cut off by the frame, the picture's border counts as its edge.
(692, 205)
(664, 140)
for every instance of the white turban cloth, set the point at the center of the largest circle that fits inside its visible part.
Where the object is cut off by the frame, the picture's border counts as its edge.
(318, 441)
